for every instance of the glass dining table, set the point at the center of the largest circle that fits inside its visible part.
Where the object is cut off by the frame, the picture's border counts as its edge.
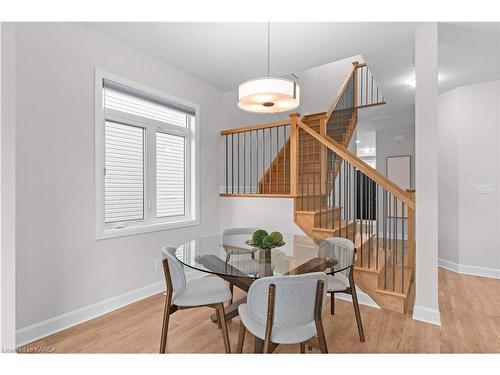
(231, 258)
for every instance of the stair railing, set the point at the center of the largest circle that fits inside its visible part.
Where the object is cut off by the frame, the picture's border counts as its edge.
(258, 160)
(351, 199)
(369, 93)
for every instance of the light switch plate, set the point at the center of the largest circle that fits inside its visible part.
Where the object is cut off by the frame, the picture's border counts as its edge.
(484, 189)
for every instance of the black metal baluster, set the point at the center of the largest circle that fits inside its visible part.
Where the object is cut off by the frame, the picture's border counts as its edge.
(377, 217)
(308, 171)
(352, 213)
(284, 161)
(402, 247)
(340, 197)
(270, 168)
(251, 161)
(366, 85)
(238, 149)
(369, 193)
(391, 232)
(314, 172)
(334, 161)
(396, 230)
(371, 97)
(263, 161)
(362, 209)
(395, 251)
(227, 168)
(345, 202)
(320, 197)
(361, 86)
(327, 191)
(355, 203)
(302, 169)
(244, 162)
(384, 224)
(232, 163)
(278, 164)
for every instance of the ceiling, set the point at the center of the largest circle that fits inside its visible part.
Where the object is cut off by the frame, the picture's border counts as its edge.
(226, 54)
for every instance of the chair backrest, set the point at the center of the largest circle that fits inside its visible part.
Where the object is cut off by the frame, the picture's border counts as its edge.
(343, 243)
(243, 230)
(295, 297)
(177, 276)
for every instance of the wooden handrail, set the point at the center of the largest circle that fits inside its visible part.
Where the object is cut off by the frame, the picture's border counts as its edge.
(255, 127)
(341, 91)
(373, 174)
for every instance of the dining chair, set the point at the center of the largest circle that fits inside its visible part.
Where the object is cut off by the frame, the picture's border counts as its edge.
(181, 294)
(235, 231)
(285, 310)
(335, 285)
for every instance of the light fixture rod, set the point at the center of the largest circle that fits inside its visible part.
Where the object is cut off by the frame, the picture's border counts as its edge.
(268, 47)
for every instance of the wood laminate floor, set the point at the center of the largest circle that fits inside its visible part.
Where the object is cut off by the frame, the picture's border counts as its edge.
(470, 314)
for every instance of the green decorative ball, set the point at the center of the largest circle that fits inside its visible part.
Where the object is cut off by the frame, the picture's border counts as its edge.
(277, 238)
(268, 242)
(258, 237)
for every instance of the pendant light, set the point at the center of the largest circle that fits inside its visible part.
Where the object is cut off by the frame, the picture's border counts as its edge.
(268, 94)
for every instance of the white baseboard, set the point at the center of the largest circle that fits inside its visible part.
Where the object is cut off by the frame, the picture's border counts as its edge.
(424, 314)
(56, 324)
(53, 325)
(469, 270)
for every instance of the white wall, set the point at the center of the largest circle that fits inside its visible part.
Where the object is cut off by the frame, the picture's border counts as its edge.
(448, 133)
(426, 175)
(271, 214)
(469, 143)
(320, 85)
(8, 190)
(60, 265)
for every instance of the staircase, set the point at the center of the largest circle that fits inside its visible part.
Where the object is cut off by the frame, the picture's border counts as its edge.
(335, 193)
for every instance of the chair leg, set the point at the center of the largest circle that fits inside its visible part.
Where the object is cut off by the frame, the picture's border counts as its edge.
(231, 287)
(356, 309)
(241, 337)
(302, 348)
(321, 336)
(267, 345)
(166, 318)
(332, 303)
(222, 321)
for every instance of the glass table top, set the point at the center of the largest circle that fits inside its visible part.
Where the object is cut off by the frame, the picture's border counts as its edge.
(230, 256)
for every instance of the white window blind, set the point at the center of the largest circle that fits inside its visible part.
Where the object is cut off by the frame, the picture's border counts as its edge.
(170, 175)
(124, 173)
(123, 101)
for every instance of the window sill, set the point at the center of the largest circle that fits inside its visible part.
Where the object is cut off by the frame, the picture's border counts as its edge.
(103, 234)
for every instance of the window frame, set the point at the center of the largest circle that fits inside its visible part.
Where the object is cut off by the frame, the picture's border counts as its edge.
(191, 132)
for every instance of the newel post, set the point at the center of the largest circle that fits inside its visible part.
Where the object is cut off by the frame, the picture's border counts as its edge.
(355, 86)
(411, 232)
(294, 144)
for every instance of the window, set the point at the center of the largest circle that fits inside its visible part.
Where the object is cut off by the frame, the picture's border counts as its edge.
(146, 152)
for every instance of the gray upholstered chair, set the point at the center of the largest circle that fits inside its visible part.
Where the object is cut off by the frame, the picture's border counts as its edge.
(235, 231)
(285, 310)
(335, 284)
(208, 291)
